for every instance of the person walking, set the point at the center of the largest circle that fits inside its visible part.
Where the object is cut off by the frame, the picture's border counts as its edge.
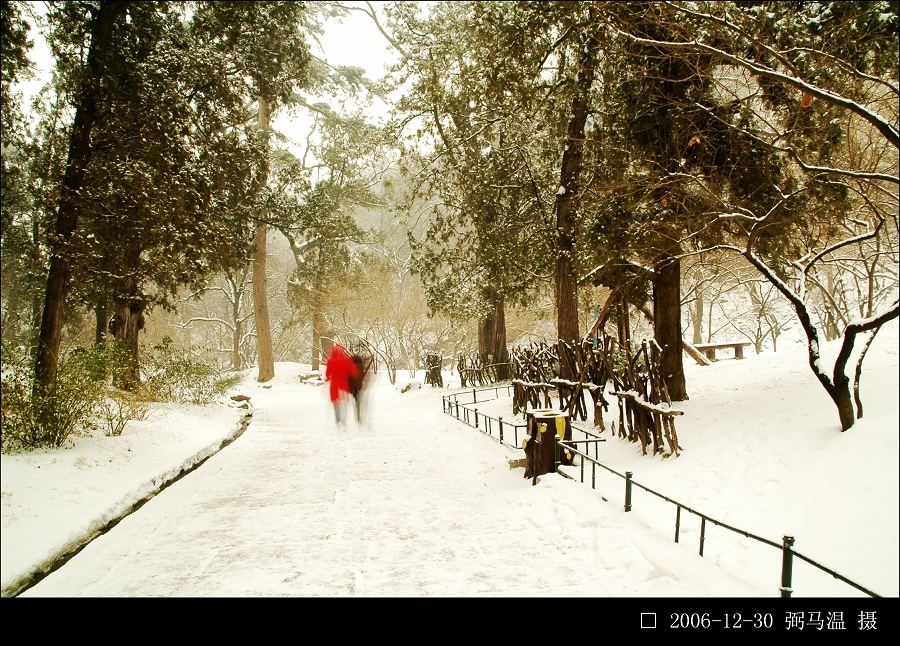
(339, 369)
(359, 383)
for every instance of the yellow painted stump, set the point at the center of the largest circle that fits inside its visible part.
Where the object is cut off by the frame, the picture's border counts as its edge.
(540, 455)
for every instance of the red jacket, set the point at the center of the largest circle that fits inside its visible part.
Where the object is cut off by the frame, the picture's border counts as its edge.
(338, 371)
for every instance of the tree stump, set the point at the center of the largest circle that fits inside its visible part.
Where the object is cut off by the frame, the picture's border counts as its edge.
(544, 427)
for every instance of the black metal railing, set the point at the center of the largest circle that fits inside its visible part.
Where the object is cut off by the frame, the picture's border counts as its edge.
(452, 406)
(471, 416)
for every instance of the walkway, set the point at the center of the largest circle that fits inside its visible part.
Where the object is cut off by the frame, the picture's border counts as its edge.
(413, 505)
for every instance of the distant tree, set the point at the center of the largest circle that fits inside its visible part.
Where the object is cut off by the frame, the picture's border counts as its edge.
(312, 200)
(487, 199)
(271, 41)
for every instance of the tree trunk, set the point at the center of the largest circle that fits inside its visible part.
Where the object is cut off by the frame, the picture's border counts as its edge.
(566, 293)
(697, 318)
(667, 325)
(264, 356)
(238, 330)
(316, 341)
(318, 327)
(101, 314)
(485, 332)
(37, 302)
(129, 321)
(492, 335)
(50, 337)
(840, 390)
(844, 402)
(498, 339)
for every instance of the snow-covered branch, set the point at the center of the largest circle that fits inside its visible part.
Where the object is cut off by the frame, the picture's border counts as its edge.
(868, 235)
(662, 409)
(207, 320)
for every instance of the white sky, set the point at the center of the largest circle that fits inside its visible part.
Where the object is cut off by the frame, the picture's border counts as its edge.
(353, 41)
(356, 41)
(414, 503)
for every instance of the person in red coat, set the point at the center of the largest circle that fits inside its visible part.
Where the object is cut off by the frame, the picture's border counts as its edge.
(338, 371)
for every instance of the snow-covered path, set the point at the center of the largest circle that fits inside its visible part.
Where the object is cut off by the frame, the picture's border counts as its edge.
(414, 504)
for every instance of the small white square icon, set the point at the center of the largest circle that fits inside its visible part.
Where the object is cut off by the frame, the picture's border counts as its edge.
(648, 620)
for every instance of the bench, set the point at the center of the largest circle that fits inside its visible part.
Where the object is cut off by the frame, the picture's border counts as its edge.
(709, 349)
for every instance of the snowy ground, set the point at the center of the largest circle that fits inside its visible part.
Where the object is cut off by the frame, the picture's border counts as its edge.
(54, 499)
(413, 503)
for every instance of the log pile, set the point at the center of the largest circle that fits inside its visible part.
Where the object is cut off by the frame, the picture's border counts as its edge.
(477, 369)
(645, 413)
(533, 367)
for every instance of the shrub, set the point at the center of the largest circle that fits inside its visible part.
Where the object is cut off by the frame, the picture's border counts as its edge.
(176, 376)
(32, 420)
(121, 406)
(225, 382)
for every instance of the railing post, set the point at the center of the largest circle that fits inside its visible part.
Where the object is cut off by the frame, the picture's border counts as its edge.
(702, 533)
(457, 408)
(786, 566)
(476, 418)
(677, 523)
(474, 397)
(501, 429)
(555, 453)
(628, 491)
(593, 475)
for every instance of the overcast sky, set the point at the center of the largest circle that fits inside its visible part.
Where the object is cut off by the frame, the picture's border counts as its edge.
(353, 41)
(356, 41)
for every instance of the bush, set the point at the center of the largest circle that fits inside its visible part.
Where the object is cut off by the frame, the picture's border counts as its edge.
(225, 382)
(120, 407)
(83, 392)
(45, 420)
(175, 376)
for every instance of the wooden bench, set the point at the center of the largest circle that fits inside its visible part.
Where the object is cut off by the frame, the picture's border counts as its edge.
(709, 349)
